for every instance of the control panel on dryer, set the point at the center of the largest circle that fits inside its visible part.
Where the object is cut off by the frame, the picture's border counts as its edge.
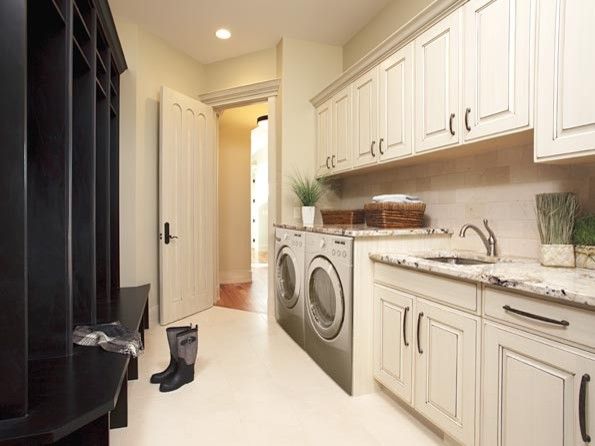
(297, 240)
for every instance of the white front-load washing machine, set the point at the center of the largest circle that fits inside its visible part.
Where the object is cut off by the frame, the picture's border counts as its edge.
(329, 305)
(289, 282)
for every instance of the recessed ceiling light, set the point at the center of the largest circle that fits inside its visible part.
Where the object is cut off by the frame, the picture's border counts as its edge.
(223, 34)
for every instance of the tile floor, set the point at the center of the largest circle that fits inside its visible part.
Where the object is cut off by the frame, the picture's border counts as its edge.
(255, 386)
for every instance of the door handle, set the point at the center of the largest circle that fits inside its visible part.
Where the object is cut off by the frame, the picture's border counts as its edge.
(372, 148)
(405, 341)
(167, 236)
(467, 126)
(419, 316)
(333, 161)
(582, 408)
(380, 146)
(452, 130)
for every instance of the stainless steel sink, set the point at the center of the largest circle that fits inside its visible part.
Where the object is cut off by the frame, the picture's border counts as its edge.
(460, 261)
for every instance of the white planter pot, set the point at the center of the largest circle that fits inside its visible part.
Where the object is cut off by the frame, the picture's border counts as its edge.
(557, 255)
(308, 213)
(585, 256)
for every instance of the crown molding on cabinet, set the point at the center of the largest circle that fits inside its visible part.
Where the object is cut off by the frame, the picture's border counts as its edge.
(409, 31)
(246, 94)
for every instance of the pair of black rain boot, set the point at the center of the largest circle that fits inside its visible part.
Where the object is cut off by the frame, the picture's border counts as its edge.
(183, 348)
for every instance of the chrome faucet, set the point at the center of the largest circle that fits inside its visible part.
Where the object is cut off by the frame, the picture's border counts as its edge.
(489, 242)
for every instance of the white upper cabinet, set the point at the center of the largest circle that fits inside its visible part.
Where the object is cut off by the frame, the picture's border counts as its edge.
(365, 119)
(534, 391)
(565, 77)
(323, 138)
(437, 79)
(396, 105)
(498, 36)
(341, 153)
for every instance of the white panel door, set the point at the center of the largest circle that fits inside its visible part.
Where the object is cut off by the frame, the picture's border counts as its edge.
(497, 65)
(437, 79)
(323, 138)
(565, 93)
(446, 369)
(186, 206)
(531, 391)
(341, 157)
(365, 119)
(396, 105)
(393, 346)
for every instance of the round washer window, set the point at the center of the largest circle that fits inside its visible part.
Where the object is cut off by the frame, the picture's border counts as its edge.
(325, 299)
(287, 278)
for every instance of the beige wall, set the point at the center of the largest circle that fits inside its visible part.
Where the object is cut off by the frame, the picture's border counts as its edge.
(235, 126)
(499, 185)
(306, 68)
(151, 64)
(392, 17)
(242, 70)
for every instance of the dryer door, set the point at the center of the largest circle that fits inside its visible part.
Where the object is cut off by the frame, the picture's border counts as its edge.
(324, 298)
(288, 278)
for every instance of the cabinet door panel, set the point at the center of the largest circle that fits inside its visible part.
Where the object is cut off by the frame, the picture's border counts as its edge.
(531, 390)
(446, 369)
(396, 105)
(437, 74)
(365, 118)
(565, 116)
(498, 36)
(393, 311)
(323, 138)
(341, 158)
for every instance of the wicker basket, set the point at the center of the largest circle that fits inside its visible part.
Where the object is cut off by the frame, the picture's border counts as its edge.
(342, 217)
(395, 215)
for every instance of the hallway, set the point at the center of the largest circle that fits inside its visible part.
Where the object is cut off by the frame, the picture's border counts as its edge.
(247, 296)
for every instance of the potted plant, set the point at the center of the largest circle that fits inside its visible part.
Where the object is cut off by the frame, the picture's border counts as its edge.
(556, 213)
(584, 240)
(309, 191)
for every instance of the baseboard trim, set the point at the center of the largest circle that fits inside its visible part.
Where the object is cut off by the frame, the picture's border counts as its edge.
(235, 276)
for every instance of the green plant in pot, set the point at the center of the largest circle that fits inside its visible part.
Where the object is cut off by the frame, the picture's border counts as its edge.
(556, 214)
(584, 241)
(308, 191)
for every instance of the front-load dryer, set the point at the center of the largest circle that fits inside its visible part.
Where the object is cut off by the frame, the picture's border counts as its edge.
(329, 305)
(289, 279)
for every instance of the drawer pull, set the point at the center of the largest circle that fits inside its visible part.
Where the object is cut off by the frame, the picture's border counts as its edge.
(419, 316)
(405, 341)
(582, 403)
(535, 316)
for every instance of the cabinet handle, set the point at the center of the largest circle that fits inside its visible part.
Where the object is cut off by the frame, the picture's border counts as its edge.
(452, 130)
(535, 316)
(405, 341)
(419, 316)
(380, 146)
(582, 408)
(333, 161)
(467, 126)
(328, 158)
(372, 148)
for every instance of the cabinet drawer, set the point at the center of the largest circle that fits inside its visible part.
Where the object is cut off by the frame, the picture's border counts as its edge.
(581, 323)
(452, 292)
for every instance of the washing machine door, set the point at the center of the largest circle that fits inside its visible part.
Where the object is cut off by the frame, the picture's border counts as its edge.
(287, 277)
(324, 298)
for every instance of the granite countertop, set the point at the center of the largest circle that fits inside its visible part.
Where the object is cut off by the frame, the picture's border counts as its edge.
(574, 285)
(364, 231)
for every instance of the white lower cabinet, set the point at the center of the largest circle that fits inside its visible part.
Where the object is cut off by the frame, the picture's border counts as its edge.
(535, 391)
(393, 347)
(446, 369)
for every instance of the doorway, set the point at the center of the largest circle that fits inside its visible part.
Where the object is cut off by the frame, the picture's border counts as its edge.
(243, 207)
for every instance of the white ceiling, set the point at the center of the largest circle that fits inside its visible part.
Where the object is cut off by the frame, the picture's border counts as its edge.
(189, 25)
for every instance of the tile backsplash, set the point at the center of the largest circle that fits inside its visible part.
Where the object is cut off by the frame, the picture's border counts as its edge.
(499, 185)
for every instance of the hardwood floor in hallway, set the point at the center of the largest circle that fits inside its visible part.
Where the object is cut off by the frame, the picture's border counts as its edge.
(247, 296)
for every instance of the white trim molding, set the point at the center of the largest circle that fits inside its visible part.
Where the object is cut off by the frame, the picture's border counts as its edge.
(401, 37)
(243, 95)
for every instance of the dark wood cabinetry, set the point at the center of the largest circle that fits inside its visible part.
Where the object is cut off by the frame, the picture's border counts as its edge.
(59, 219)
